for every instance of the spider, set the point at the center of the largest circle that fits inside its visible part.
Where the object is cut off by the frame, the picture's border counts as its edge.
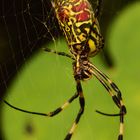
(80, 26)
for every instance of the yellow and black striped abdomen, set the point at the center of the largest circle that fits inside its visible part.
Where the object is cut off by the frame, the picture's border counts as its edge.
(95, 40)
(76, 19)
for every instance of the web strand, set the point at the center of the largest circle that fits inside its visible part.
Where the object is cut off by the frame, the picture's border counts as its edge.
(28, 25)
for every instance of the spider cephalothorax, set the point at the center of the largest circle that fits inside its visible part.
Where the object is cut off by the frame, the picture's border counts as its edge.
(82, 69)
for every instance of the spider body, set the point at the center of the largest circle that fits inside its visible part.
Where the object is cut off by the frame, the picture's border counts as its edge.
(80, 26)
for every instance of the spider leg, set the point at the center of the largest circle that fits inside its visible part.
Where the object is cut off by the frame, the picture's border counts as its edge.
(58, 53)
(82, 104)
(98, 8)
(115, 94)
(50, 114)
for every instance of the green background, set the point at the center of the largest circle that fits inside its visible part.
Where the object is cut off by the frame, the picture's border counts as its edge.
(46, 82)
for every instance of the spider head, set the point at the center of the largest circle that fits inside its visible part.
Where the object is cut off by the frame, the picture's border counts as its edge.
(82, 69)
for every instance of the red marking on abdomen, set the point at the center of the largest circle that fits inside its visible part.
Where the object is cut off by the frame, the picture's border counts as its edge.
(82, 6)
(63, 14)
(84, 16)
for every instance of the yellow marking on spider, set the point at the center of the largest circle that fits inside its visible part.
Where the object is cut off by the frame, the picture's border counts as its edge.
(82, 37)
(65, 105)
(121, 128)
(73, 128)
(92, 45)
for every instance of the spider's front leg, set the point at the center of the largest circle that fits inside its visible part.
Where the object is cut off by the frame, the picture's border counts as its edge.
(50, 114)
(81, 111)
(58, 53)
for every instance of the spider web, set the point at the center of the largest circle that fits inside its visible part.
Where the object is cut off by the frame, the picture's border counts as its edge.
(25, 26)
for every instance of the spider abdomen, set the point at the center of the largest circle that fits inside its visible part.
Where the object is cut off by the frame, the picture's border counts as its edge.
(80, 26)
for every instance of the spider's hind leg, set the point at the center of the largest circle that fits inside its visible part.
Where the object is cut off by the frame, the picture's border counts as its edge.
(115, 93)
(81, 111)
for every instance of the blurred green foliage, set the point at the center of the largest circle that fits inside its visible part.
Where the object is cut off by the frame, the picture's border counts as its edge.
(46, 81)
